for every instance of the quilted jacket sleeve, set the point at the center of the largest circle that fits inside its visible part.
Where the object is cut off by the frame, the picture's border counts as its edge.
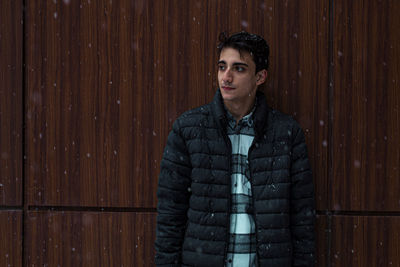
(302, 203)
(173, 197)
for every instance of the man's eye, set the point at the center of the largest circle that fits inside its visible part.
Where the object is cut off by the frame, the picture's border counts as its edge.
(221, 67)
(240, 69)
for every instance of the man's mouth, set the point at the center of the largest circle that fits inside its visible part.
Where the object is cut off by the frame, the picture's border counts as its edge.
(227, 88)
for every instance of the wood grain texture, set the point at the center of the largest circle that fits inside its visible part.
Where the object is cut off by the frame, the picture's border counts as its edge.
(298, 85)
(11, 102)
(96, 139)
(89, 239)
(322, 240)
(107, 80)
(366, 121)
(109, 85)
(11, 238)
(347, 241)
(381, 241)
(365, 241)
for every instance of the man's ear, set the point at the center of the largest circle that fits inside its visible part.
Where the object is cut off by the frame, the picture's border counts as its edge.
(261, 76)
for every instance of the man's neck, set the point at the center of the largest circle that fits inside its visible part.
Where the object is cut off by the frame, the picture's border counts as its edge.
(239, 109)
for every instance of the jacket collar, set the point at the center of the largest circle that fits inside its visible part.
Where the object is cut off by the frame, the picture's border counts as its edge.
(260, 112)
(245, 121)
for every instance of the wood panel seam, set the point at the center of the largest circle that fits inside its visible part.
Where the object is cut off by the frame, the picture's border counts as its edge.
(24, 129)
(90, 209)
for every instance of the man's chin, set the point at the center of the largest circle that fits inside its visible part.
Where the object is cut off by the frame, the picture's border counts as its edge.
(228, 98)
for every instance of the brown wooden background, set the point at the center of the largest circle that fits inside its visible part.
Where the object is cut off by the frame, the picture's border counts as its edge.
(89, 90)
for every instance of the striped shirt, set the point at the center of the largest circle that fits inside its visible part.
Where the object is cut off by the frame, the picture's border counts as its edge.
(242, 241)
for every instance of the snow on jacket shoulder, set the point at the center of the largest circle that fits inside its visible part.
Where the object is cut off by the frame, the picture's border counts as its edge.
(194, 190)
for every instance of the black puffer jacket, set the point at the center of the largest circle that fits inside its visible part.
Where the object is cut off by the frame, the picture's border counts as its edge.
(194, 190)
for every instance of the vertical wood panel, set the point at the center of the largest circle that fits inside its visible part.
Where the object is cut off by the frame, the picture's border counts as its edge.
(95, 139)
(108, 80)
(347, 241)
(381, 241)
(365, 241)
(11, 102)
(11, 238)
(89, 239)
(298, 82)
(322, 239)
(366, 122)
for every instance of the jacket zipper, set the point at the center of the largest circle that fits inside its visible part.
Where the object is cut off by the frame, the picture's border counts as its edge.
(228, 143)
(252, 199)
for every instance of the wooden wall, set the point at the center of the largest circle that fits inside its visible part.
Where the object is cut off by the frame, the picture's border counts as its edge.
(89, 91)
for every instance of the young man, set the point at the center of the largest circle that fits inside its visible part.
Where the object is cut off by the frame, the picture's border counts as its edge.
(235, 187)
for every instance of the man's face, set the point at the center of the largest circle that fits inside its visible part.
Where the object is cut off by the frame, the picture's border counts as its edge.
(237, 76)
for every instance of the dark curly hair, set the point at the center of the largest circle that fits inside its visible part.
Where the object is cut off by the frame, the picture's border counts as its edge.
(254, 44)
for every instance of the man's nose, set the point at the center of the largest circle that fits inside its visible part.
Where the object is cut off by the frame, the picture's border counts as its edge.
(228, 76)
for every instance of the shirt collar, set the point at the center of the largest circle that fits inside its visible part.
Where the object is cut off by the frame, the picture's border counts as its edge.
(245, 121)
